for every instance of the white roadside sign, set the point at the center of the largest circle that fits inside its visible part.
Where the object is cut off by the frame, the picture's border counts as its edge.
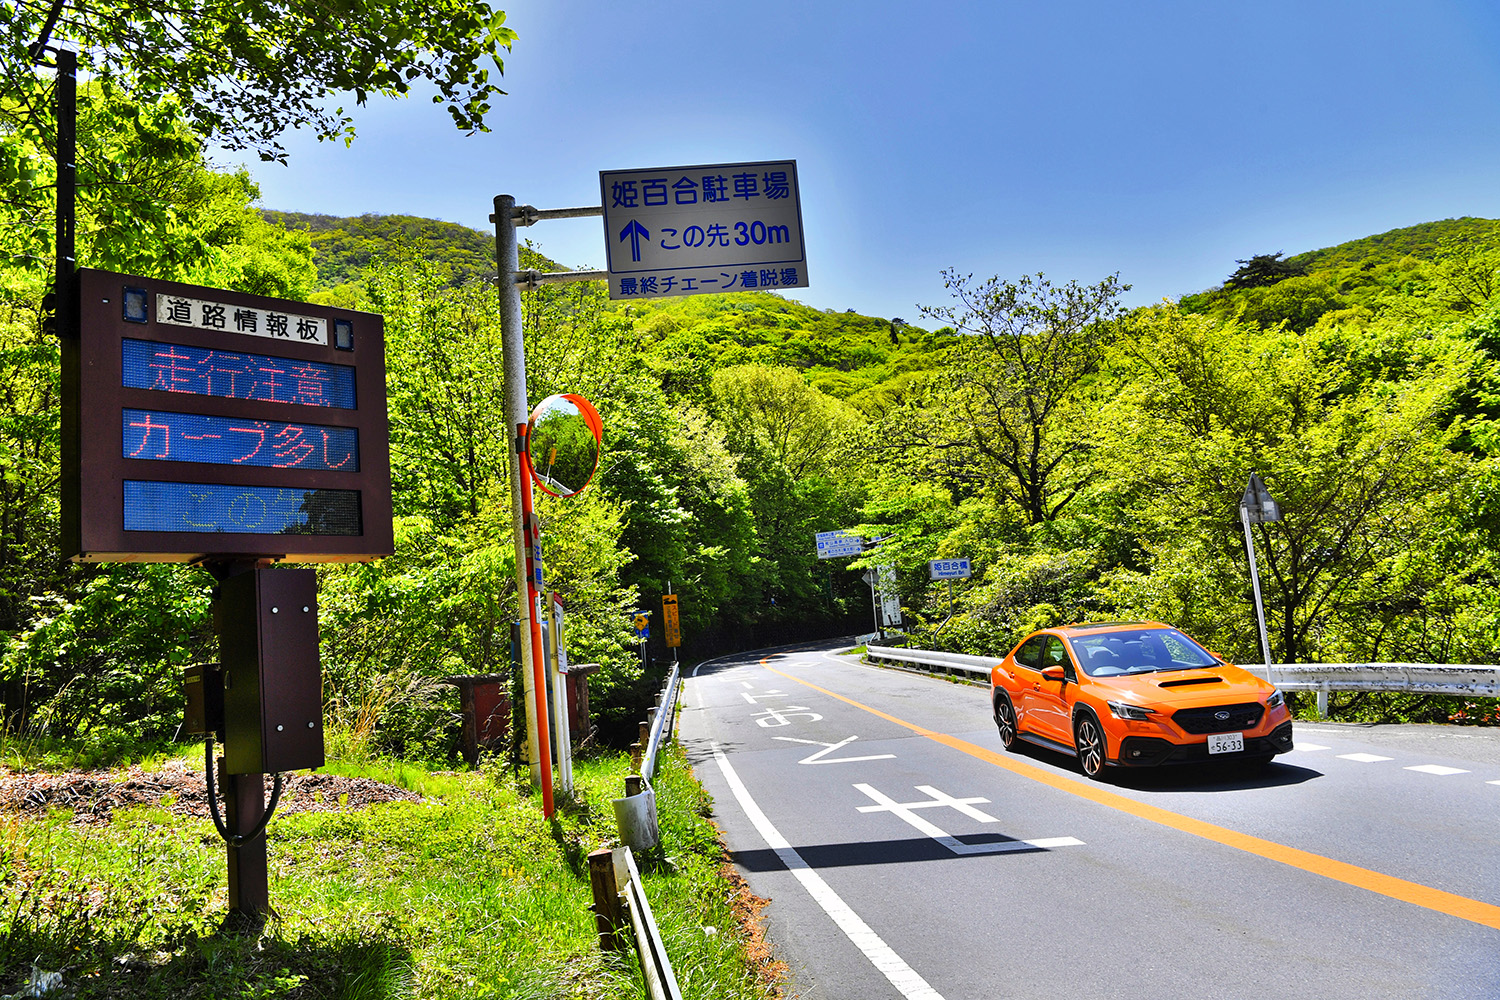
(727, 227)
(890, 600)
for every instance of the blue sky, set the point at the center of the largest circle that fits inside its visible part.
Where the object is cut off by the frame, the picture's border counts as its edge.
(1162, 140)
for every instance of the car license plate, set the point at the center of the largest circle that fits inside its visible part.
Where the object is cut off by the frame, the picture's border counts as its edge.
(1226, 743)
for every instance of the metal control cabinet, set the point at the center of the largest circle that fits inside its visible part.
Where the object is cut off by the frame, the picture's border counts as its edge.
(273, 686)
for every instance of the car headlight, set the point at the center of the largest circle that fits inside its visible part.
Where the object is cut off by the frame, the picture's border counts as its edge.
(1276, 700)
(1124, 710)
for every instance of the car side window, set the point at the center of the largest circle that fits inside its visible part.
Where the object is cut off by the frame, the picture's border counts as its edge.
(1057, 656)
(1030, 654)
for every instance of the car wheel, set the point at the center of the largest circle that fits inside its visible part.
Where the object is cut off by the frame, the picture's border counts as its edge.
(1088, 739)
(1005, 721)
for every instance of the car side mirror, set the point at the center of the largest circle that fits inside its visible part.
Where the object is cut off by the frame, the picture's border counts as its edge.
(1053, 674)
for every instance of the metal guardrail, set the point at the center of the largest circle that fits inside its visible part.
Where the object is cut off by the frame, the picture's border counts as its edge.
(661, 723)
(607, 870)
(961, 663)
(612, 873)
(1459, 680)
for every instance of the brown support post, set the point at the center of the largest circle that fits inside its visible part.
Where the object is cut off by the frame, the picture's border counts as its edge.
(636, 750)
(606, 898)
(249, 881)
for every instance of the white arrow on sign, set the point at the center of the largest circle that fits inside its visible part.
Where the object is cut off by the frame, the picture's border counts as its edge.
(828, 748)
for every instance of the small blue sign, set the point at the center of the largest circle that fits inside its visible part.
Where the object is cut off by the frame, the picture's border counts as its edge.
(949, 569)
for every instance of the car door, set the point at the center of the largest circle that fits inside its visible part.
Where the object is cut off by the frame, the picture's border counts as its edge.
(1028, 671)
(1050, 701)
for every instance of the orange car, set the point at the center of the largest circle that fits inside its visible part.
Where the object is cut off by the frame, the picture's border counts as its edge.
(1135, 694)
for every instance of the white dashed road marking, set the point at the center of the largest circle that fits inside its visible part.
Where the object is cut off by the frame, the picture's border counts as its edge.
(1364, 758)
(1437, 769)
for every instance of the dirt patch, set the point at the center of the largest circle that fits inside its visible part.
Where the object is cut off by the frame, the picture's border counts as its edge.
(93, 796)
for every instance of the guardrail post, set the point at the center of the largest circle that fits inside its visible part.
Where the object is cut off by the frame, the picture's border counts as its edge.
(605, 884)
(1323, 702)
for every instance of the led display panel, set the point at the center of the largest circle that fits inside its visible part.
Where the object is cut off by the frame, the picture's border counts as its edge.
(251, 510)
(235, 375)
(201, 424)
(194, 437)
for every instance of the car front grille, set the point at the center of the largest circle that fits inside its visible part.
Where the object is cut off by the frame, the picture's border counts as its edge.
(1200, 721)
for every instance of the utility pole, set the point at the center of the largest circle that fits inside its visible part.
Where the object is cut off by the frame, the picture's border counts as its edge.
(529, 577)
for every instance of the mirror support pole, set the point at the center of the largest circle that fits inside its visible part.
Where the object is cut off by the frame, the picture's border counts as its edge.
(513, 352)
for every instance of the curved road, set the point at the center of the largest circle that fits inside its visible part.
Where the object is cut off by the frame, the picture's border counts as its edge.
(906, 855)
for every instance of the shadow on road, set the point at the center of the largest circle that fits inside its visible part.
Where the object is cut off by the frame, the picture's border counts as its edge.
(883, 852)
(1228, 776)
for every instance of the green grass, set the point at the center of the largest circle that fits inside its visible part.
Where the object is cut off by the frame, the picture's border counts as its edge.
(469, 893)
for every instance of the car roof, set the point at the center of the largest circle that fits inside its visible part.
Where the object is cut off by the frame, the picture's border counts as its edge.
(1083, 628)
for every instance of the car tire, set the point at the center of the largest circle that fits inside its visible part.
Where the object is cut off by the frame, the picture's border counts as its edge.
(1005, 721)
(1088, 741)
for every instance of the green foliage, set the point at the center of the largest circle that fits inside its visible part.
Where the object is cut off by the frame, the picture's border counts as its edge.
(247, 71)
(101, 670)
(469, 893)
(346, 247)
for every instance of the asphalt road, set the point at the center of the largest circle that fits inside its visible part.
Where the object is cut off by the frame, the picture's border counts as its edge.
(906, 855)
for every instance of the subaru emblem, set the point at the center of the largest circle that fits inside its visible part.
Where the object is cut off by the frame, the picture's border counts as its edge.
(1222, 716)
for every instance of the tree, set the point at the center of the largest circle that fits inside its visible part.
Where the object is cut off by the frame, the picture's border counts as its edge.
(775, 412)
(1263, 269)
(246, 70)
(999, 415)
(1357, 463)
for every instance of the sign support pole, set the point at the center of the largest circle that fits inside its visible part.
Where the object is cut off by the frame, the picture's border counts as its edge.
(1260, 611)
(513, 351)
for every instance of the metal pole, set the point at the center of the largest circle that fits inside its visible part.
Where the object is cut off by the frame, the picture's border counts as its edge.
(67, 190)
(560, 694)
(1260, 613)
(513, 352)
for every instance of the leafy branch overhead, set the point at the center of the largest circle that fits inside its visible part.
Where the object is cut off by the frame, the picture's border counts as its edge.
(249, 69)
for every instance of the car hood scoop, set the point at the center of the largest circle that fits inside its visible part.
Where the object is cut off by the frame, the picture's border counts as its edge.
(1186, 681)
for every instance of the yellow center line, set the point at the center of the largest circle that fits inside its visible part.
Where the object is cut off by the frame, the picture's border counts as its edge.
(1386, 885)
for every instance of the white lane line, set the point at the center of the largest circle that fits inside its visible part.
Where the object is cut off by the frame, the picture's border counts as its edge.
(902, 976)
(1364, 758)
(1437, 769)
(1309, 747)
(1492, 782)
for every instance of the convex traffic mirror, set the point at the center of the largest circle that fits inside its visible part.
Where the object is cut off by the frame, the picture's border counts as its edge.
(563, 443)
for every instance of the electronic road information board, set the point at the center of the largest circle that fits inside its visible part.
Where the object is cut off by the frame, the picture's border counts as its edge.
(201, 424)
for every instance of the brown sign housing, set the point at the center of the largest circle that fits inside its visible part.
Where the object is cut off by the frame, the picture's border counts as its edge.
(201, 424)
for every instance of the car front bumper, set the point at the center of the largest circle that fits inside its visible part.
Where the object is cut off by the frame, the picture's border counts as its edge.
(1150, 751)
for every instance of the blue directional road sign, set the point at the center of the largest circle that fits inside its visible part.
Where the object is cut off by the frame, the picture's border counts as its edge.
(834, 544)
(727, 227)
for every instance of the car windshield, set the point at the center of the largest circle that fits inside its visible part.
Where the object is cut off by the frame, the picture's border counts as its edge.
(1139, 651)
